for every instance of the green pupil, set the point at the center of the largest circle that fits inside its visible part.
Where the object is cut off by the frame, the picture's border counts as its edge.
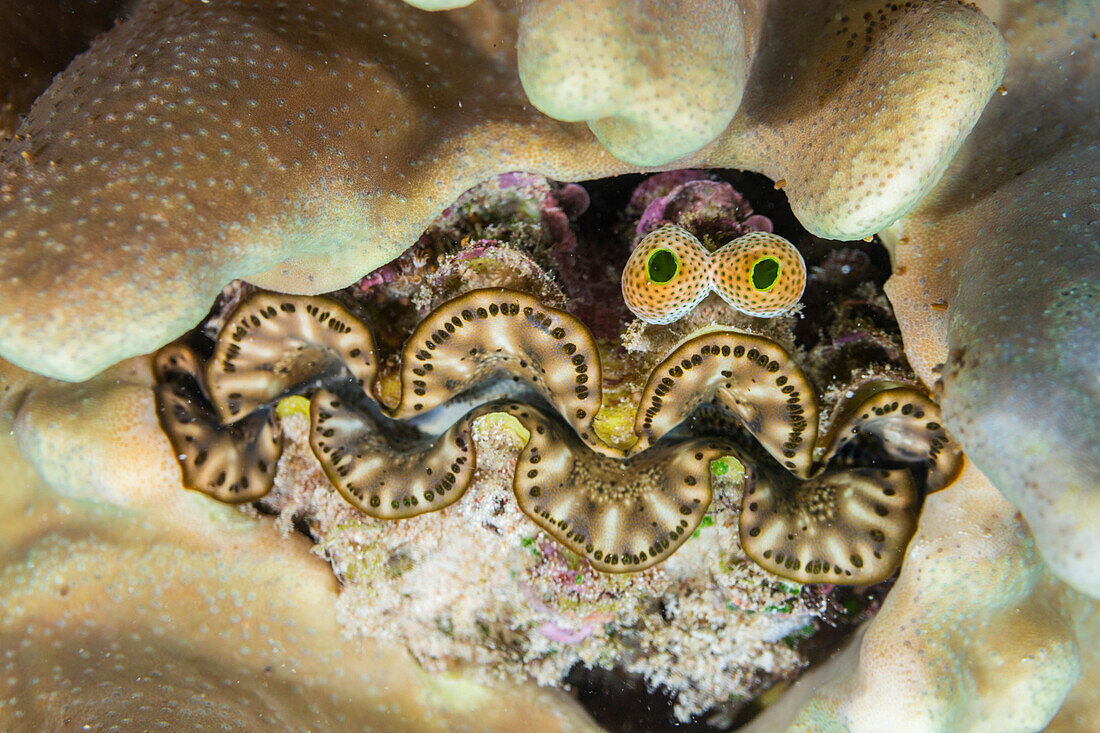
(764, 273)
(662, 266)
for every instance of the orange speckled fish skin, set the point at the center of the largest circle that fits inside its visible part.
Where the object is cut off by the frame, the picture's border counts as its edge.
(760, 274)
(732, 274)
(665, 302)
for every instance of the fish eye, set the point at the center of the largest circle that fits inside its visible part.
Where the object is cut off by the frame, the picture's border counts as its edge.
(662, 266)
(667, 275)
(760, 274)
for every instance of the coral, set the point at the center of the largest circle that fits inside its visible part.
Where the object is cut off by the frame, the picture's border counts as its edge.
(120, 461)
(15, 385)
(125, 616)
(132, 194)
(657, 81)
(975, 635)
(997, 289)
(123, 412)
(711, 209)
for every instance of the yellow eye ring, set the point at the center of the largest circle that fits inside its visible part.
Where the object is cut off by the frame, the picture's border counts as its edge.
(760, 274)
(765, 270)
(670, 272)
(658, 264)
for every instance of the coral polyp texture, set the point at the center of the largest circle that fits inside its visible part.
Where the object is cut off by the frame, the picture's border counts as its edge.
(651, 91)
(363, 466)
(987, 264)
(40, 42)
(152, 602)
(1003, 308)
(670, 272)
(392, 126)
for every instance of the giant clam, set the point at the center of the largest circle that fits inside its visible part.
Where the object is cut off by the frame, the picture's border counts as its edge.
(464, 366)
(623, 508)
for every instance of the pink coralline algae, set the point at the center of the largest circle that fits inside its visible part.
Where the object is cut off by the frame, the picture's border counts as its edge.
(553, 632)
(521, 208)
(689, 198)
(557, 204)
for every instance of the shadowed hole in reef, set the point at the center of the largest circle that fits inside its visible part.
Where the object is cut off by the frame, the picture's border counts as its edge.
(844, 326)
(621, 702)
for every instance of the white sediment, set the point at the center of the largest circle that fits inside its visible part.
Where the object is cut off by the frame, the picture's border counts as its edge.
(478, 586)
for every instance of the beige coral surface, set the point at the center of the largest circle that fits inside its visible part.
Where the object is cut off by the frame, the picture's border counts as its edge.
(129, 602)
(978, 634)
(302, 148)
(997, 277)
(975, 636)
(658, 80)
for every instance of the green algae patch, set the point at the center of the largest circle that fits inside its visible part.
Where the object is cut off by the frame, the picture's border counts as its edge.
(729, 468)
(708, 521)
